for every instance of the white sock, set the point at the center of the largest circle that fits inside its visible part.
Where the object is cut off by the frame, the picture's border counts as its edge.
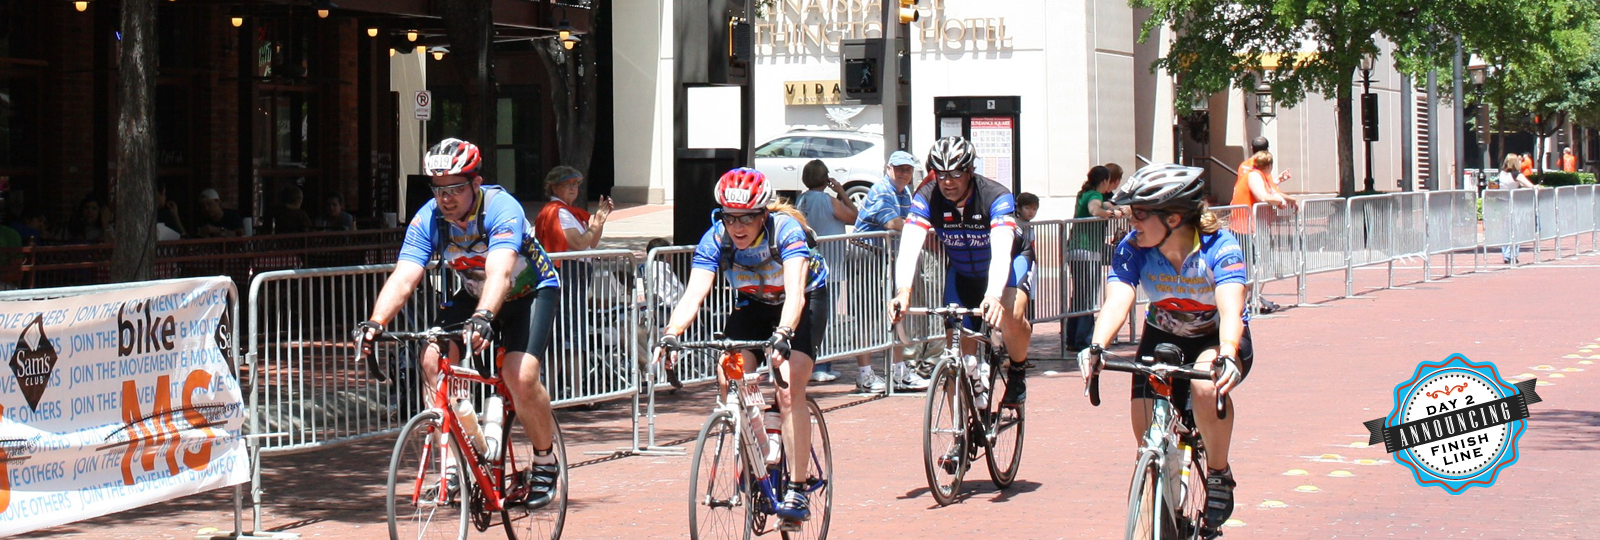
(547, 459)
(866, 371)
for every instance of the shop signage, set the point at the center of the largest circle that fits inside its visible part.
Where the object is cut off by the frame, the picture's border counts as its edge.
(811, 93)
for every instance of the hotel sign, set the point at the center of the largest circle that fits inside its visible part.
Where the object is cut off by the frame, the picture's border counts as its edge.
(811, 93)
(800, 27)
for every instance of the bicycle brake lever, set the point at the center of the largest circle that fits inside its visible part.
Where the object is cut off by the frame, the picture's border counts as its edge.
(368, 354)
(1222, 399)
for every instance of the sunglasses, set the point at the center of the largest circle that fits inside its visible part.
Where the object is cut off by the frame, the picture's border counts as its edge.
(1140, 214)
(742, 219)
(950, 175)
(453, 190)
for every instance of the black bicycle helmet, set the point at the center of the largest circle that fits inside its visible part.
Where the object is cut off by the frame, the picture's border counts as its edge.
(949, 154)
(1165, 185)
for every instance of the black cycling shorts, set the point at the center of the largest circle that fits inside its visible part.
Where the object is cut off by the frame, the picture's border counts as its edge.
(523, 325)
(968, 291)
(1192, 347)
(755, 320)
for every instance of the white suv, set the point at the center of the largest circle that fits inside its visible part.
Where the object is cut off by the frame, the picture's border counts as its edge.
(855, 159)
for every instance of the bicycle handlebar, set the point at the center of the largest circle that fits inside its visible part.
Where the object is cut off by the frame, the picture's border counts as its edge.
(1166, 364)
(366, 355)
(726, 345)
(952, 310)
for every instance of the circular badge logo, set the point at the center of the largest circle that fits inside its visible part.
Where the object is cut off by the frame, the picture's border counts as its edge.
(1455, 423)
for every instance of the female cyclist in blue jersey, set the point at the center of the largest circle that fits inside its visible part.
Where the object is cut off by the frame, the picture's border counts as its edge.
(509, 289)
(768, 256)
(989, 270)
(1193, 272)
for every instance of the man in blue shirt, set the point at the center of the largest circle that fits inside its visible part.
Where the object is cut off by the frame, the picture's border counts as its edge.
(885, 209)
(887, 203)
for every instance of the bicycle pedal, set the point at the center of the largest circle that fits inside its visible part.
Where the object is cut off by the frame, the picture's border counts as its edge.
(787, 525)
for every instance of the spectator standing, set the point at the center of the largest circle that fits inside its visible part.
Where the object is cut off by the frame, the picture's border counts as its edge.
(884, 209)
(32, 227)
(333, 217)
(1569, 161)
(1511, 177)
(216, 221)
(827, 216)
(1088, 252)
(1525, 166)
(563, 227)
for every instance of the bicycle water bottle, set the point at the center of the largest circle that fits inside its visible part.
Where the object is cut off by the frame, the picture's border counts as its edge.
(469, 423)
(774, 437)
(755, 403)
(1184, 477)
(494, 419)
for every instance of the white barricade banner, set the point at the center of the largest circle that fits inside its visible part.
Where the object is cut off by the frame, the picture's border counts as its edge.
(115, 400)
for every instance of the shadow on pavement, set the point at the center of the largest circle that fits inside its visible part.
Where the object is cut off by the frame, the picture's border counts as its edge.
(1563, 429)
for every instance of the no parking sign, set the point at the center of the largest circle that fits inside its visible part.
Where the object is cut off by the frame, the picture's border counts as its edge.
(424, 105)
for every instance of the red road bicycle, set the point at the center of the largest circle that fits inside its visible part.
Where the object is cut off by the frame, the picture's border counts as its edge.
(440, 482)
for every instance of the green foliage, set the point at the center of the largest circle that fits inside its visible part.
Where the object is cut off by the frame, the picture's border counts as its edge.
(1560, 178)
(1537, 46)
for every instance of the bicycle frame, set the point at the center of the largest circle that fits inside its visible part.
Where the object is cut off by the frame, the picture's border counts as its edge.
(449, 376)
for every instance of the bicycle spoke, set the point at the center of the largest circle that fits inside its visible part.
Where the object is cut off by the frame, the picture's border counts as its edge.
(944, 434)
(718, 507)
(419, 503)
(542, 521)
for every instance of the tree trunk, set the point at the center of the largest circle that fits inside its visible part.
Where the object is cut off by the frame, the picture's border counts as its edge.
(134, 251)
(1347, 159)
(470, 26)
(573, 100)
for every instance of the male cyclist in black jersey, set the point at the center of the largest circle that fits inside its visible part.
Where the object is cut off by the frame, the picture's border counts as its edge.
(988, 269)
(1193, 272)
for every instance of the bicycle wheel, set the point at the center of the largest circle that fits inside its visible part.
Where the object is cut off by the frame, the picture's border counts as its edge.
(820, 470)
(420, 506)
(544, 522)
(944, 455)
(720, 507)
(1191, 516)
(1144, 500)
(1006, 424)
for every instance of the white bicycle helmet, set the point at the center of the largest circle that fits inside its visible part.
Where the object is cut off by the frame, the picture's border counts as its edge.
(949, 154)
(1165, 185)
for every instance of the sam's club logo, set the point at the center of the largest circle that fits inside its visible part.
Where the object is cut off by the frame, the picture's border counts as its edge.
(1455, 423)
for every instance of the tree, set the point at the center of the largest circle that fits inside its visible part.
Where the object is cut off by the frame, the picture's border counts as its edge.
(470, 26)
(134, 251)
(573, 100)
(1221, 43)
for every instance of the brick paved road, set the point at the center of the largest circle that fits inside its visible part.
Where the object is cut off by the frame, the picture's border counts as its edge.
(1320, 372)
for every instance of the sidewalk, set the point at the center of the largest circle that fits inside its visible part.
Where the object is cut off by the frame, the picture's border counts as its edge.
(1319, 373)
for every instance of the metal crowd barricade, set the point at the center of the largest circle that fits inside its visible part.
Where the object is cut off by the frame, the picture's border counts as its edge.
(860, 280)
(597, 335)
(1087, 247)
(1366, 242)
(1049, 300)
(1544, 222)
(1566, 216)
(1324, 230)
(1272, 247)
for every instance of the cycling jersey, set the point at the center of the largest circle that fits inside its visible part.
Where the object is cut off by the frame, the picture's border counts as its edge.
(965, 231)
(504, 226)
(1182, 302)
(753, 270)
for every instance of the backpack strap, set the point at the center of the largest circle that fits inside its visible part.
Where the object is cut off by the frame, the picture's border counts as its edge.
(441, 233)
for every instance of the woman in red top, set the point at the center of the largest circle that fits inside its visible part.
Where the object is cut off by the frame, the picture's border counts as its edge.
(561, 226)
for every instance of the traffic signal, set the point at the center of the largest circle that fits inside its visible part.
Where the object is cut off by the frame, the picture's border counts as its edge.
(861, 71)
(1369, 117)
(908, 12)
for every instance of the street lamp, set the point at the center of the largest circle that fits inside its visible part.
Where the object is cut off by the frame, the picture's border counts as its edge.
(1265, 108)
(1479, 71)
(1369, 113)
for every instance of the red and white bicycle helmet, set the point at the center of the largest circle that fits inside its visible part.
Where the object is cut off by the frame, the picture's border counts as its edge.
(744, 188)
(452, 157)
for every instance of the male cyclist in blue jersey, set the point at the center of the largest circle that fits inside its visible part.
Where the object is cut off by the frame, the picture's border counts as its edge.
(1193, 272)
(509, 289)
(988, 270)
(767, 253)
